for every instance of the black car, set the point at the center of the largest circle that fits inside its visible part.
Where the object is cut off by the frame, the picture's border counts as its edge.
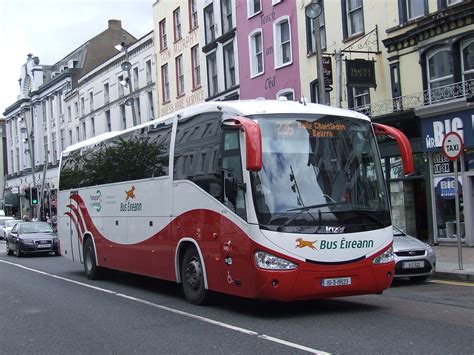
(32, 238)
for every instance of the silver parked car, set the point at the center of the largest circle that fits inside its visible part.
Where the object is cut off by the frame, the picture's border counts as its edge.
(413, 258)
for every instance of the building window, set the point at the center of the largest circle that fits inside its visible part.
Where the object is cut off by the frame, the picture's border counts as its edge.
(83, 107)
(70, 136)
(289, 94)
(411, 9)
(310, 32)
(149, 79)
(177, 24)
(179, 75)
(195, 62)
(253, 7)
(353, 14)
(210, 26)
(453, 2)
(360, 98)
(165, 83)
(69, 114)
(91, 101)
(229, 65)
(108, 122)
(120, 85)
(440, 68)
(78, 136)
(62, 137)
(135, 78)
(282, 38)
(84, 132)
(76, 109)
(45, 148)
(467, 60)
(123, 117)
(138, 111)
(193, 15)
(93, 126)
(227, 25)
(151, 106)
(106, 93)
(256, 53)
(212, 74)
(163, 36)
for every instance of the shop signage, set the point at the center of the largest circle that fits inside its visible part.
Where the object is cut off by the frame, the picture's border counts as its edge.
(361, 73)
(441, 164)
(327, 69)
(434, 129)
(445, 188)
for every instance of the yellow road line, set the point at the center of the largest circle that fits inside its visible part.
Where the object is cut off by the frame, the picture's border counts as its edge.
(457, 283)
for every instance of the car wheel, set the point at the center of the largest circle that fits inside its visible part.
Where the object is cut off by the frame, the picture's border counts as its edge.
(418, 278)
(18, 250)
(192, 277)
(93, 272)
(9, 251)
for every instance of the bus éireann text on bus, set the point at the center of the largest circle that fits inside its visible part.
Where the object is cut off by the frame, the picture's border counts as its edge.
(273, 200)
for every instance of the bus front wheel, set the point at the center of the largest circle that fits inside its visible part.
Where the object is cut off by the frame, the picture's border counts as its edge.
(91, 269)
(192, 277)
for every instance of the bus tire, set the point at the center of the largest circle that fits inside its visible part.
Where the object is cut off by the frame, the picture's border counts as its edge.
(192, 277)
(93, 272)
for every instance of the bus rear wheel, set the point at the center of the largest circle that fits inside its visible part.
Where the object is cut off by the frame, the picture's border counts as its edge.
(93, 272)
(192, 277)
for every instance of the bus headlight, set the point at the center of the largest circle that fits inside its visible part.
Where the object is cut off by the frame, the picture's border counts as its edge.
(272, 262)
(385, 257)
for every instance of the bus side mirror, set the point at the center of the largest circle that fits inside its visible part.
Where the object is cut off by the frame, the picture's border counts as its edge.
(253, 139)
(403, 144)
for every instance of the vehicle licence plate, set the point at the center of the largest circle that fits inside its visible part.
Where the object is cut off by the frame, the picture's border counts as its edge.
(339, 281)
(413, 264)
(44, 245)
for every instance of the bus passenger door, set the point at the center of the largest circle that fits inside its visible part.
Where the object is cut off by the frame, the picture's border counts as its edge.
(233, 240)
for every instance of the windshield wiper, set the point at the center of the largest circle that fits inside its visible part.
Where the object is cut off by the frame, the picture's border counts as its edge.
(365, 213)
(305, 209)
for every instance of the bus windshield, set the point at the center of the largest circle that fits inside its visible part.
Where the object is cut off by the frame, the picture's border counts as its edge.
(320, 174)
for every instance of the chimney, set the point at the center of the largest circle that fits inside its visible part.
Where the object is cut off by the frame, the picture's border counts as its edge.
(115, 25)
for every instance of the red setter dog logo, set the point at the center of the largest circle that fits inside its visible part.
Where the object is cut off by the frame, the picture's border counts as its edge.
(130, 193)
(305, 243)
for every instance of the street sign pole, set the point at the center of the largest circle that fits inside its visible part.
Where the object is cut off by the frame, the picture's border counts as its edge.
(452, 148)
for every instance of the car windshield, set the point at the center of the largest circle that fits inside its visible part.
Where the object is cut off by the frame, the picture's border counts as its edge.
(10, 224)
(32, 227)
(319, 172)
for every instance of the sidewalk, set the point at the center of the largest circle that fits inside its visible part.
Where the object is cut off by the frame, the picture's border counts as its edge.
(447, 263)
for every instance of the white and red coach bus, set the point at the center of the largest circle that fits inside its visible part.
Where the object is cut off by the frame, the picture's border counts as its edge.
(273, 200)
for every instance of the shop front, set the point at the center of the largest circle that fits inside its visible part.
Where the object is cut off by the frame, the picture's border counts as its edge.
(442, 177)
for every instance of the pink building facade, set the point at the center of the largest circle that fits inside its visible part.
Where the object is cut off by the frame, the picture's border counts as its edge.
(268, 49)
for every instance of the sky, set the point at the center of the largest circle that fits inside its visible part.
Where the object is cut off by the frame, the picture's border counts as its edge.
(51, 29)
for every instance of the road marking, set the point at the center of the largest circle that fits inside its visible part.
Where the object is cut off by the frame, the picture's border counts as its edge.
(177, 311)
(457, 283)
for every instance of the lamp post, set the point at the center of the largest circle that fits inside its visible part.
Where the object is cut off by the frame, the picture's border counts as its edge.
(313, 11)
(127, 66)
(26, 130)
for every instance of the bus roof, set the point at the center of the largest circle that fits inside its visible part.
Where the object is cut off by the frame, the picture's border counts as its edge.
(260, 106)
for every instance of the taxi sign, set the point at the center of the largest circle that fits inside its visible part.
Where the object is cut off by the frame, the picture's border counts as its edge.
(452, 145)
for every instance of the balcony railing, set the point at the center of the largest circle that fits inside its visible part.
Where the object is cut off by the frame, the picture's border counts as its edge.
(413, 101)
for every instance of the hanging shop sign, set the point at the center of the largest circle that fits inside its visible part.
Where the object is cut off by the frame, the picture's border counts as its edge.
(434, 129)
(327, 69)
(361, 73)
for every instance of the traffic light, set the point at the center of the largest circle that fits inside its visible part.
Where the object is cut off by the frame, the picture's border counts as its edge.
(34, 196)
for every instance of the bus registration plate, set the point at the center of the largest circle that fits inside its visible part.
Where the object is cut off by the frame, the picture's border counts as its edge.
(340, 281)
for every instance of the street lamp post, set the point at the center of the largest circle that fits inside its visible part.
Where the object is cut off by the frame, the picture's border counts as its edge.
(313, 11)
(30, 151)
(127, 66)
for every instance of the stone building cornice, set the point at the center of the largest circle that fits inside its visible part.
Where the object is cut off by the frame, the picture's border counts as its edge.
(433, 25)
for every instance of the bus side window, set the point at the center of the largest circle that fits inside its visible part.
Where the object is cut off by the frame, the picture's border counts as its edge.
(232, 174)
